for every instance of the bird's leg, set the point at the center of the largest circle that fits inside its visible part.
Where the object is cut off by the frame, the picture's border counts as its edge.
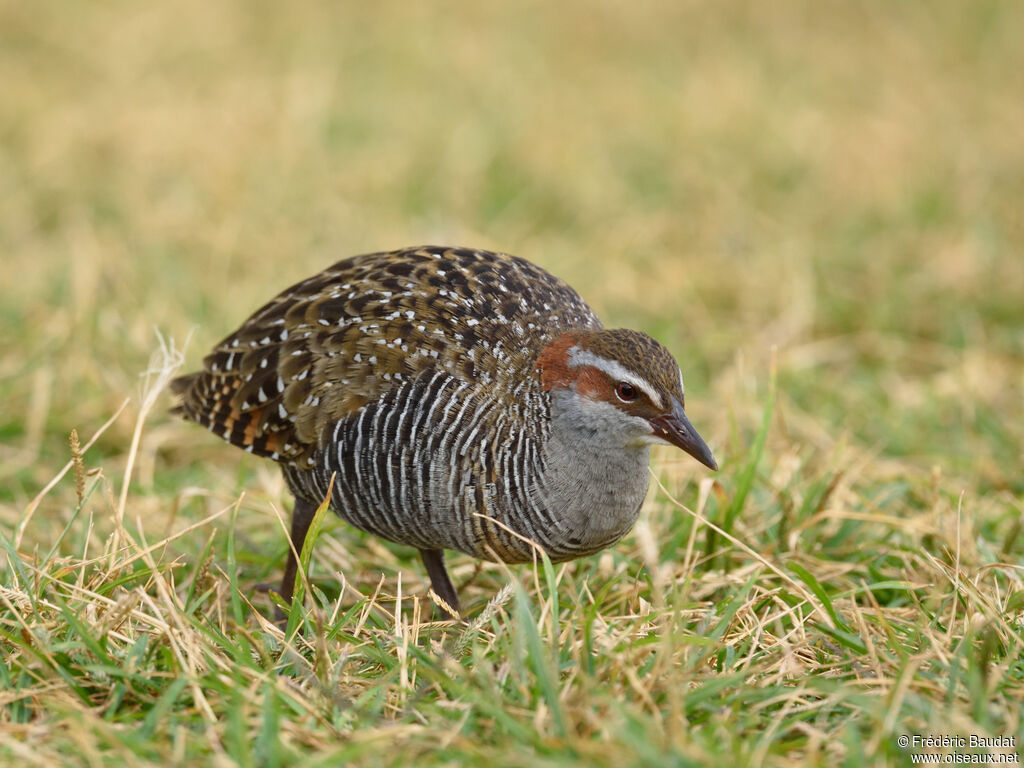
(302, 516)
(440, 581)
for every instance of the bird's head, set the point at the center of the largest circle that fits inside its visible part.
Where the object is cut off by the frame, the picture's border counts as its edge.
(621, 382)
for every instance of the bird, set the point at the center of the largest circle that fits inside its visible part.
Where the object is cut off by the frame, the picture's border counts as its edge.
(448, 399)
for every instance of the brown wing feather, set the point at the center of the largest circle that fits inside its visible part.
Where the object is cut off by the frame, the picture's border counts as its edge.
(322, 349)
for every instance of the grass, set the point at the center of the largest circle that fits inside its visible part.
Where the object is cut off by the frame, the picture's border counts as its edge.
(816, 206)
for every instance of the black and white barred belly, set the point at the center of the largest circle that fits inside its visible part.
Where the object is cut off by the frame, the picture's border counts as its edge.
(437, 464)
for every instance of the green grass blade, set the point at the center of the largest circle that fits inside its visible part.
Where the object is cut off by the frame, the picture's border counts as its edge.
(162, 708)
(295, 612)
(745, 482)
(819, 592)
(237, 609)
(538, 657)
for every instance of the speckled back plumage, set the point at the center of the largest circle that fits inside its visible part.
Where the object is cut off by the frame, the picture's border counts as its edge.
(329, 345)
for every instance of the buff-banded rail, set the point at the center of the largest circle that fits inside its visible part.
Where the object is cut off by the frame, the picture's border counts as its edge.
(450, 398)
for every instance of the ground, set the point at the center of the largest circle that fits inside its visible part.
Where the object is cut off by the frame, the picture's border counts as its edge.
(815, 206)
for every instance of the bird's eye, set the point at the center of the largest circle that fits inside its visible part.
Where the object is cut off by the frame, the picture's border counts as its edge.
(626, 392)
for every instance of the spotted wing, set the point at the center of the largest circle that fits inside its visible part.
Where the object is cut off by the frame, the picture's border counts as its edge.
(322, 349)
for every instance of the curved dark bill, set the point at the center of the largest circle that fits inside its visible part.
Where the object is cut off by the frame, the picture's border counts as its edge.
(676, 429)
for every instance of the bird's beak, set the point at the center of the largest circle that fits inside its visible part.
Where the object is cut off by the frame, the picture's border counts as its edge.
(676, 429)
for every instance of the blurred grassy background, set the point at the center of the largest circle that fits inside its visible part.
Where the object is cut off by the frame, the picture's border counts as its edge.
(844, 181)
(841, 181)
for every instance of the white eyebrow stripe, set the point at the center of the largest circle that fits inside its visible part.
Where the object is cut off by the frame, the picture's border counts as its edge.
(579, 357)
